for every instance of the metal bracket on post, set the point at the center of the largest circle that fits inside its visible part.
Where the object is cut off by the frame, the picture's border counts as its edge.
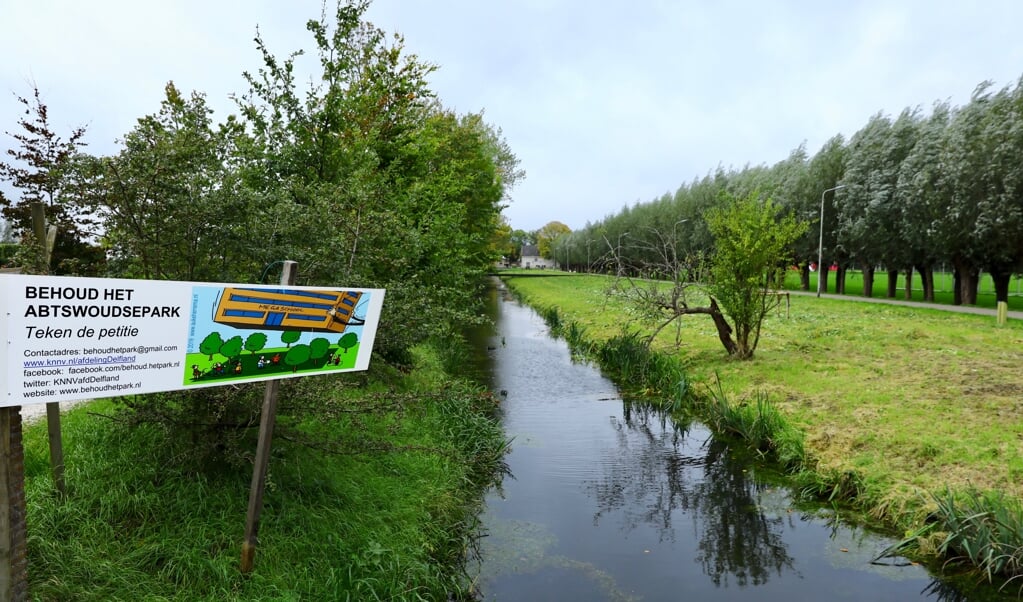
(266, 428)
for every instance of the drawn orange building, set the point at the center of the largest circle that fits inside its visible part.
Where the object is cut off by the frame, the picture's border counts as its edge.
(288, 309)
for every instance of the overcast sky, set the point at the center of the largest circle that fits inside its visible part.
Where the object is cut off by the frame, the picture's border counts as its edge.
(604, 103)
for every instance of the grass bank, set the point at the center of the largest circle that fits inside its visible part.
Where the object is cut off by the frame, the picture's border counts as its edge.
(897, 407)
(390, 516)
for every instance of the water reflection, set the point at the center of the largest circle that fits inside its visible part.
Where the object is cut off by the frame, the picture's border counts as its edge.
(661, 471)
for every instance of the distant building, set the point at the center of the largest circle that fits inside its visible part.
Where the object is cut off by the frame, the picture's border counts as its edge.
(530, 258)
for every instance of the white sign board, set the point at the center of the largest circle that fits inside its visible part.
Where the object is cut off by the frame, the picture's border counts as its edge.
(84, 338)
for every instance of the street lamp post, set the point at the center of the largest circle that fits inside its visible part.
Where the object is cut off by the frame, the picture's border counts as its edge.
(820, 244)
(618, 251)
(674, 236)
(674, 248)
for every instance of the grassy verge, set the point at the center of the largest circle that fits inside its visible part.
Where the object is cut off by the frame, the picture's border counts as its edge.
(895, 406)
(388, 518)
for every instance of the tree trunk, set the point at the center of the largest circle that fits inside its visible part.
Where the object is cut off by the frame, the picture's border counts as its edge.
(868, 281)
(971, 282)
(804, 277)
(840, 280)
(724, 330)
(908, 289)
(927, 279)
(893, 284)
(957, 290)
(967, 279)
(822, 275)
(1001, 278)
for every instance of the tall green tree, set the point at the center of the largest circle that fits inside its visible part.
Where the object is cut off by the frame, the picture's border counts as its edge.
(172, 203)
(923, 186)
(211, 344)
(546, 236)
(999, 227)
(318, 348)
(965, 158)
(44, 168)
(819, 243)
(869, 210)
(289, 337)
(232, 347)
(398, 192)
(347, 341)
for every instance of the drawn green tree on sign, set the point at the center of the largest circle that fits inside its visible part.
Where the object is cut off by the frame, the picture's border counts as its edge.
(211, 344)
(318, 348)
(255, 342)
(347, 341)
(290, 336)
(296, 356)
(232, 347)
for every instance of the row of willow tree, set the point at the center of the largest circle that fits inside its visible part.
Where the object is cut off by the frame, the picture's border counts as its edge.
(902, 195)
(361, 176)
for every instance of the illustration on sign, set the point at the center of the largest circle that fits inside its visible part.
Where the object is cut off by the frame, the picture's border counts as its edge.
(260, 332)
(83, 338)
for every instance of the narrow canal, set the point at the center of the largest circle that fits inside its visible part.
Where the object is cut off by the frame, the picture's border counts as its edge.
(608, 503)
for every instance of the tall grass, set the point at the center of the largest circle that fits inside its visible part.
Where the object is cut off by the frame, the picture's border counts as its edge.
(758, 424)
(983, 530)
(659, 378)
(552, 317)
(388, 516)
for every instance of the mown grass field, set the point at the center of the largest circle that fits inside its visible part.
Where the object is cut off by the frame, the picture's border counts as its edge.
(905, 401)
(943, 282)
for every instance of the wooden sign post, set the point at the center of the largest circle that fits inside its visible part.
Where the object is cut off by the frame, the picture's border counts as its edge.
(46, 236)
(267, 419)
(13, 559)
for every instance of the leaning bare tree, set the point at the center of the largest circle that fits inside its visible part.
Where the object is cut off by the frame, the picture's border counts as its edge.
(662, 284)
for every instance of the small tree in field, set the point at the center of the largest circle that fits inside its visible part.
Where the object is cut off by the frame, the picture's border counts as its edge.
(255, 342)
(211, 344)
(296, 356)
(751, 244)
(232, 347)
(318, 348)
(347, 341)
(290, 336)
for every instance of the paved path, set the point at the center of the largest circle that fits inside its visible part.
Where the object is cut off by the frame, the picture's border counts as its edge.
(962, 309)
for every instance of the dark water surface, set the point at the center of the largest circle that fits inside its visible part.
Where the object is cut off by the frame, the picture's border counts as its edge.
(607, 503)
